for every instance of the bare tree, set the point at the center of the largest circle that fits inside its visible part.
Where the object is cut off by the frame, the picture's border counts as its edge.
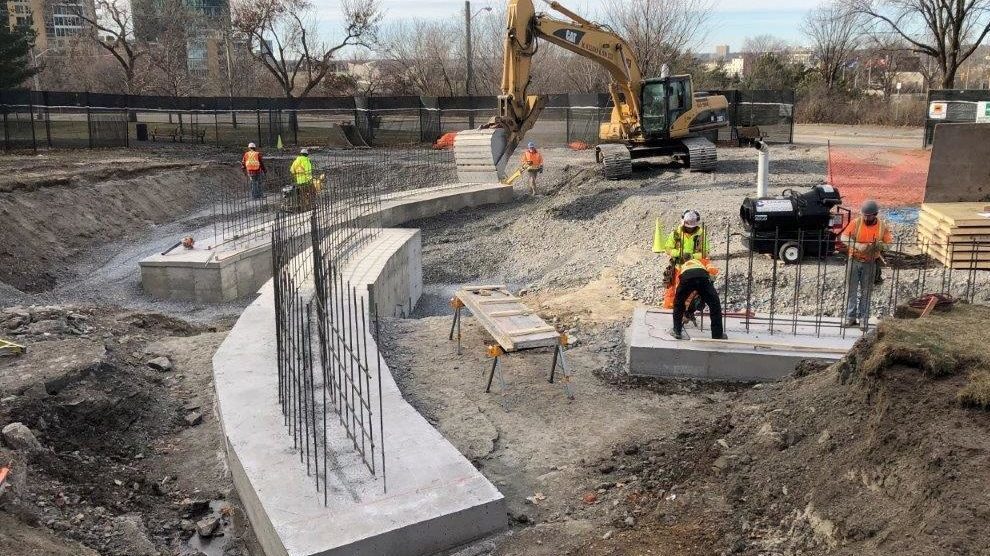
(426, 55)
(765, 44)
(281, 34)
(168, 55)
(835, 33)
(112, 28)
(660, 31)
(947, 31)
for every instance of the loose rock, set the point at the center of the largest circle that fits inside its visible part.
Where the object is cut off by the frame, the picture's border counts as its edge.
(163, 364)
(19, 437)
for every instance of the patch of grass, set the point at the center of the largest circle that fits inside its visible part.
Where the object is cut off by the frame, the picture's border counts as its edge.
(976, 393)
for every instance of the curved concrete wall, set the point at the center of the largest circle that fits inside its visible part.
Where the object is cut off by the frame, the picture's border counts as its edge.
(436, 499)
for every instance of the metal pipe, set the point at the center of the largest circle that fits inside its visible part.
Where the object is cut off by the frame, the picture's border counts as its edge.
(762, 168)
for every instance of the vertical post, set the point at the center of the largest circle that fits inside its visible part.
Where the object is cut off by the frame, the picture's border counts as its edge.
(48, 120)
(467, 29)
(89, 124)
(34, 140)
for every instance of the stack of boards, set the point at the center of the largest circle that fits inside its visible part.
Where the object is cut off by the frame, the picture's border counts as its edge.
(956, 234)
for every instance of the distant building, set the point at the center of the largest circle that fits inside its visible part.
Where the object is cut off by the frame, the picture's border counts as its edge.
(801, 56)
(733, 67)
(722, 51)
(205, 46)
(55, 22)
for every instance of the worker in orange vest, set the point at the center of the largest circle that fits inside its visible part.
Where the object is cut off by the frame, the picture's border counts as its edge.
(254, 168)
(866, 238)
(532, 162)
(696, 278)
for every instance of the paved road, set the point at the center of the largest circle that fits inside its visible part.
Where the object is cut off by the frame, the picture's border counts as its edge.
(864, 135)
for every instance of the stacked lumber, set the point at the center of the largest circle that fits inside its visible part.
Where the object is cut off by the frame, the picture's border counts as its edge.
(510, 322)
(956, 234)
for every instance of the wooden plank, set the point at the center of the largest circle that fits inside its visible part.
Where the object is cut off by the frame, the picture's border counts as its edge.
(479, 288)
(957, 214)
(494, 300)
(512, 313)
(531, 331)
(934, 224)
(514, 332)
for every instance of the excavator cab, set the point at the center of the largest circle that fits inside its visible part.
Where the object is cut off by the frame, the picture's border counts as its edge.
(664, 100)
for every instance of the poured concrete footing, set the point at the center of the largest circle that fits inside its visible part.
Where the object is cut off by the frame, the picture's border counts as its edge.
(755, 354)
(436, 499)
(238, 268)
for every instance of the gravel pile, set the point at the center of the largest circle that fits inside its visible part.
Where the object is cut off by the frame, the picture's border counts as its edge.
(582, 224)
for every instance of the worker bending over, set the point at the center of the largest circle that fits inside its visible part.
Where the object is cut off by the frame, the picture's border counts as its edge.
(254, 168)
(866, 238)
(687, 241)
(532, 162)
(695, 278)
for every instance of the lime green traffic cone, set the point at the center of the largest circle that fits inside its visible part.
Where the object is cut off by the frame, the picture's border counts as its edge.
(278, 144)
(658, 238)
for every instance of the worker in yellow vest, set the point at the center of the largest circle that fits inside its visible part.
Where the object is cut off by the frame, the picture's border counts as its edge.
(302, 168)
(696, 278)
(687, 241)
(254, 168)
(302, 171)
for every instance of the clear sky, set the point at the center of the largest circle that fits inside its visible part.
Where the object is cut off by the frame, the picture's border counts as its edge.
(733, 21)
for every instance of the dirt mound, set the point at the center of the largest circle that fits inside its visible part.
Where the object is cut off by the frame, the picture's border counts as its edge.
(874, 455)
(128, 456)
(46, 219)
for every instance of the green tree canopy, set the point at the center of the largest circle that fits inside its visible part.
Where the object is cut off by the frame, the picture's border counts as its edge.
(15, 55)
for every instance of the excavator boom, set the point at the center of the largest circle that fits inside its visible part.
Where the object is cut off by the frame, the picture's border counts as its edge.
(483, 154)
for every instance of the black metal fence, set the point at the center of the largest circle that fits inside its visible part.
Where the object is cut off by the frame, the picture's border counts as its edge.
(41, 119)
(955, 106)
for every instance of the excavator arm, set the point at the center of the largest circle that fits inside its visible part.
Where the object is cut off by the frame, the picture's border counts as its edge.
(518, 111)
(483, 154)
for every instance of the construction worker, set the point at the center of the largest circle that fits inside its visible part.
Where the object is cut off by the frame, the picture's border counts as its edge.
(532, 162)
(687, 241)
(302, 171)
(695, 278)
(254, 168)
(866, 238)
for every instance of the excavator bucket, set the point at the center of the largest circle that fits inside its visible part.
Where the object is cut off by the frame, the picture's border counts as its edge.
(481, 155)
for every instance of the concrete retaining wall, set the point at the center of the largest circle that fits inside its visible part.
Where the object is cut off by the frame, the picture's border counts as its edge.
(436, 499)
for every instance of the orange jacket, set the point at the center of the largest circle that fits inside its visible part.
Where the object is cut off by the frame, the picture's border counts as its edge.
(533, 159)
(866, 241)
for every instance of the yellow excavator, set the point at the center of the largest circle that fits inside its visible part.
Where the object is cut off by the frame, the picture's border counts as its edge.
(661, 116)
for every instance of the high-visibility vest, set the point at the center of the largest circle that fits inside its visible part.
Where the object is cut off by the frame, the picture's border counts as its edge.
(697, 264)
(252, 161)
(533, 159)
(302, 169)
(680, 243)
(856, 231)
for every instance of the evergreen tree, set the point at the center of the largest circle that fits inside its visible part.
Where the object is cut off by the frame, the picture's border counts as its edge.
(15, 54)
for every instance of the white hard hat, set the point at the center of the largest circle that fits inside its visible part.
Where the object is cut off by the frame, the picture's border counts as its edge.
(304, 151)
(691, 218)
(252, 146)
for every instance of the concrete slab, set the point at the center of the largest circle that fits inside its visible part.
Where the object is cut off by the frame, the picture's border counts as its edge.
(436, 499)
(752, 355)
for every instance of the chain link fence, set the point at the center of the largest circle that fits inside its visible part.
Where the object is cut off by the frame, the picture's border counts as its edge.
(42, 120)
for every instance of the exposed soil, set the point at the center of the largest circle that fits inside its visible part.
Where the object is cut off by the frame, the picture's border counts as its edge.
(833, 460)
(55, 207)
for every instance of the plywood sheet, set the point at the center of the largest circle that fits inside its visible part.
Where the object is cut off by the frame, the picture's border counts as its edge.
(507, 319)
(956, 214)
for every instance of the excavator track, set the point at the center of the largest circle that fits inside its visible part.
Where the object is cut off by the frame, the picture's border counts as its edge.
(616, 161)
(702, 154)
